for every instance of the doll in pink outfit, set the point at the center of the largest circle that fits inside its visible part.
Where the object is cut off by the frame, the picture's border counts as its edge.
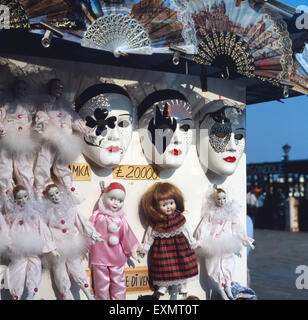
(18, 140)
(221, 236)
(58, 124)
(30, 238)
(70, 231)
(108, 260)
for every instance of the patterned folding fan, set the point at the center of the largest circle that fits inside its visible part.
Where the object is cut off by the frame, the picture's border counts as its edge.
(118, 26)
(299, 75)
(241, 39)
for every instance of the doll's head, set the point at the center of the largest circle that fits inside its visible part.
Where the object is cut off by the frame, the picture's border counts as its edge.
(113, 196)
(55, 88)
(21, 195)
(161, 200)
(220, 197)
(53, 193)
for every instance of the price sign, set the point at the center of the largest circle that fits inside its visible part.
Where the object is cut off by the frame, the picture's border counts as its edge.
(136, 172)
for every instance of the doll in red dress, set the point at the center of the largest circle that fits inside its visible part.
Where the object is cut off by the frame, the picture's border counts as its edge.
(172, 259)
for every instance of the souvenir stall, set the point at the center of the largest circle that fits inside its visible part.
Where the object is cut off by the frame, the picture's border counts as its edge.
(123, 143)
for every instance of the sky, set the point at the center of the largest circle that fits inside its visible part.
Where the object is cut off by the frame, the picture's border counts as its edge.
(273, 124)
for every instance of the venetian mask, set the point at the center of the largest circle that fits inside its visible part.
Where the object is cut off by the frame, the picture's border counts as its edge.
(114, 200)
(21, 197)
(221, 136)
(165, 124)
(110, 114)
(54, 195)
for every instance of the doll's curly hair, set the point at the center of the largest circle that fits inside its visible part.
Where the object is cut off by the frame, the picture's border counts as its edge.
(17, 189)
(158, 192)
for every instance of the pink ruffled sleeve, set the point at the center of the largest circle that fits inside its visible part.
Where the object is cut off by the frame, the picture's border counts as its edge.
(129, 241)
(85, 226)
(2, 117)
(45, 233)
(239, 231)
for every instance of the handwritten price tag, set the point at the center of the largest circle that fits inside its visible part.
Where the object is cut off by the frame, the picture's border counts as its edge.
(136, 172)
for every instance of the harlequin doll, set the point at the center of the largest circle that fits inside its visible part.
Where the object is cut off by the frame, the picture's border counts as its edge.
(18, 140)
(108, 259)
(58, 124)
(172, 258)
(69, 230)
(221, 236)
(30, 238)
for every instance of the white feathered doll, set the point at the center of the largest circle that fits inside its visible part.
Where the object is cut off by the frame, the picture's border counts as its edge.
(221, 236)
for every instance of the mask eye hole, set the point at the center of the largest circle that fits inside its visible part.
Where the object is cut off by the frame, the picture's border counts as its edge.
(123, 124)
(185, 127)
(239, 136)
(220, 135)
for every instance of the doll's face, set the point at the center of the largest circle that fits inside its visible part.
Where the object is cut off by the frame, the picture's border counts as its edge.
(167, 207)
(165, 132)
(222, 143)
(56, 88)
(21, 197)
(20, 89)
(114, 200)
(221, 199)
(110, 116)
(54, 195)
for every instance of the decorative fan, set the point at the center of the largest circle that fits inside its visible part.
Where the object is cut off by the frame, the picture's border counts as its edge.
(242, 40)
(299, 75)
(118, 26)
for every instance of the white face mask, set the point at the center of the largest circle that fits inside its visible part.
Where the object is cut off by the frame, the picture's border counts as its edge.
(54, 195)
(165, 140)
(114, 200)
(221, 144)
(112, 120)
(21, 197)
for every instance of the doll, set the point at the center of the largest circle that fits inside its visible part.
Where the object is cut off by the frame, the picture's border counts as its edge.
(69, 230)
(30, 238)
(18, 140)
(172, 259)
(221, 236)
(108, 260)
(57, 123)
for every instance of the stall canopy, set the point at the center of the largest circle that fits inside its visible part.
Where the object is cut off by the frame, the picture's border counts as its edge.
(260, 43)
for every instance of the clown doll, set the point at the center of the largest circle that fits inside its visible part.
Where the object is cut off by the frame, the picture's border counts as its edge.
(30, 238)
(70, 230)
(221, 236)
(57, 123)
(172, 259)
(18, 140)
(108, 260)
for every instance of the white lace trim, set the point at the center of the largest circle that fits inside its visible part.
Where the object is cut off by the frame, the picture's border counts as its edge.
(175, 282)
(171, 234)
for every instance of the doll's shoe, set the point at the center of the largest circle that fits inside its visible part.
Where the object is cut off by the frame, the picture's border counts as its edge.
(162, 290)
(183, 290)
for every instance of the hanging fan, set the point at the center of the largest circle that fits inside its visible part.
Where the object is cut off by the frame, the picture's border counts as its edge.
(299, 75)
(242, 40)
(118, 26)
